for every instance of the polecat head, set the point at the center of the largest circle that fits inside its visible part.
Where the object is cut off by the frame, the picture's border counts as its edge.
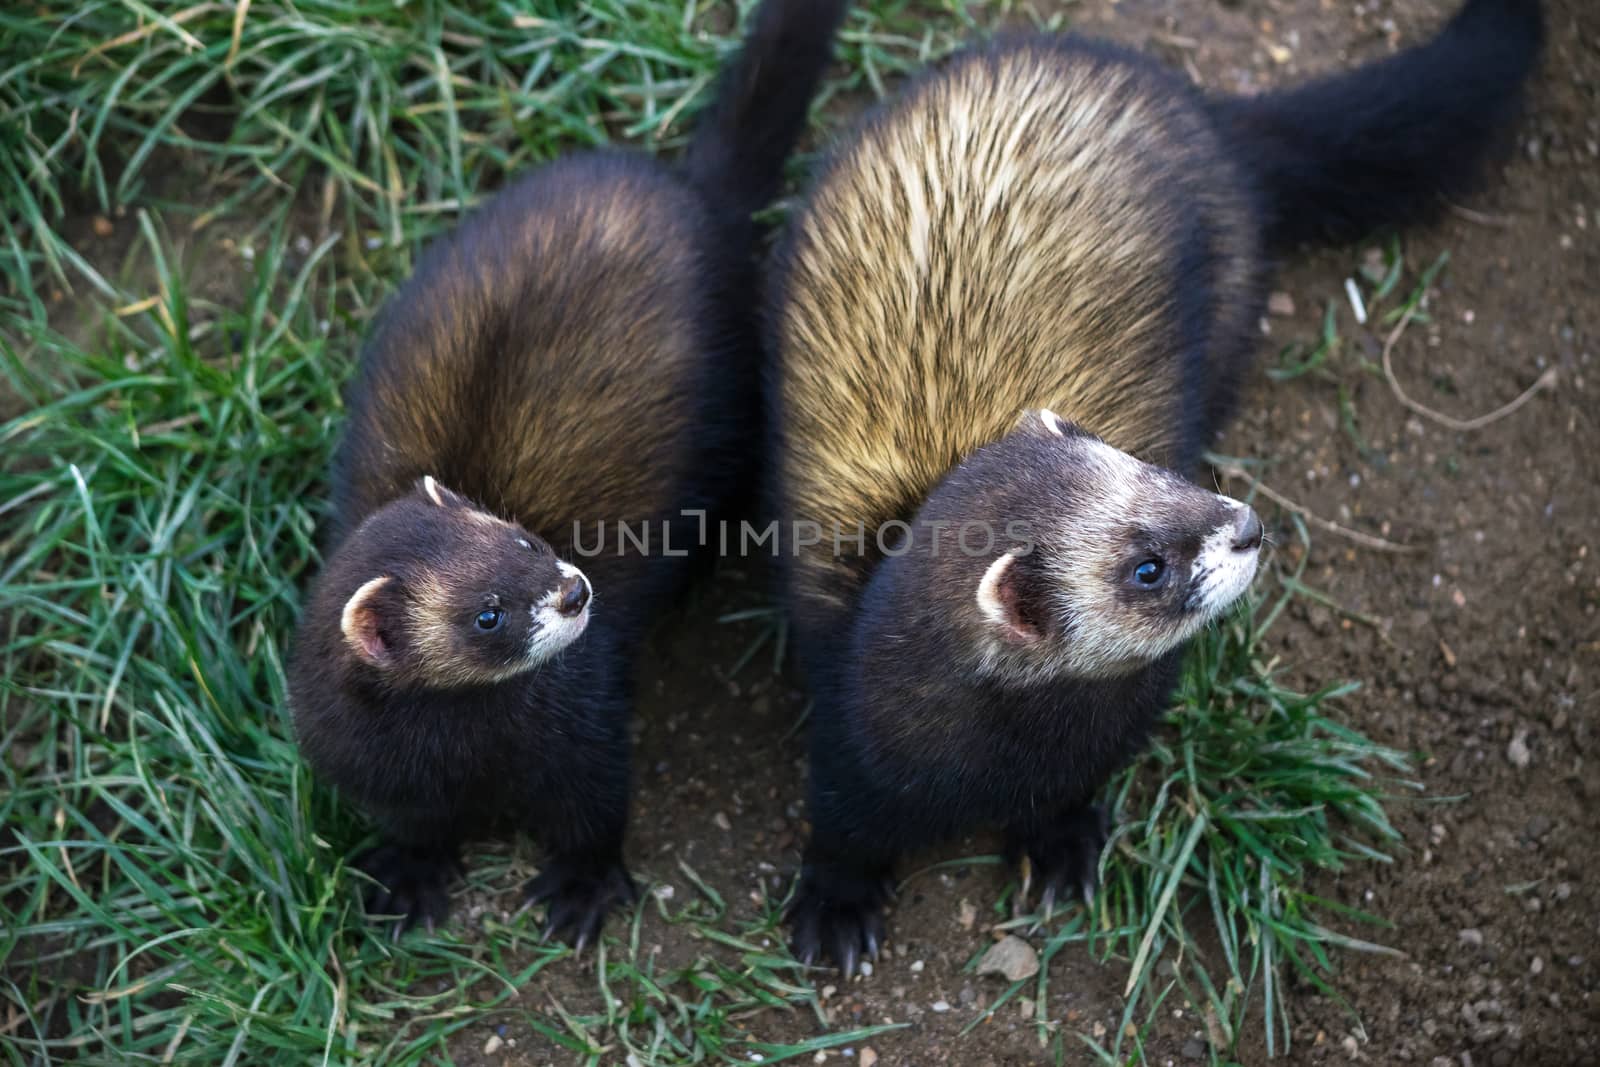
(433, 591)
(1104, 563)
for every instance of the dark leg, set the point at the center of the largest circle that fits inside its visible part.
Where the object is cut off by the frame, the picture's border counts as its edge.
(580, 813)
(1063, 852)
(413, 882)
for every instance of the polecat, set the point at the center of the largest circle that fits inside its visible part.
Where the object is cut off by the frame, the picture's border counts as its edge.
(1049, 223)
(583, 349)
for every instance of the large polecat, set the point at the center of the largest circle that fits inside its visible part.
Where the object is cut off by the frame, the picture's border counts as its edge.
(1049, 223)
(581, 351)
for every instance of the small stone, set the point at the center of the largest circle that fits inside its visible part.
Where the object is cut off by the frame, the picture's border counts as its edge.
(1536, 967)
(968, 997)
(1010, 957)
(1517, 751)
(1471, 936)
(1538, 826)
(1194, 1049)
(940, 1007)
(866, 968)
(493, 1045)
(1280, 304)
(103, 227)
(968, 914)
(1351, 1046)
(868, 1057)
(721, 819)
(917, 966)
(1026, 1005)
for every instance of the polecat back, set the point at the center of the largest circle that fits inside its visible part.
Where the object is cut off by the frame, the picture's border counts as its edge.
(1055, 226)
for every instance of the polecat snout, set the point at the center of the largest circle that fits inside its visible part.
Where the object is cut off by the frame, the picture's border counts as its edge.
(1050, 223)
(582, 351)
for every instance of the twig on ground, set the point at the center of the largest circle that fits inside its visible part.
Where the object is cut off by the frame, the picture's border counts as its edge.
(1546, 380)
(1371, 541)
(1480, 217)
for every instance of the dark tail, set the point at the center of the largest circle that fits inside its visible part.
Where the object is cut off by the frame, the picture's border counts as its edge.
(742, 140)
(1386, 143)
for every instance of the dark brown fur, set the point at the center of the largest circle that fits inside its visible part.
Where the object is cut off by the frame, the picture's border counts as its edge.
(582, 350)
(1048, 222)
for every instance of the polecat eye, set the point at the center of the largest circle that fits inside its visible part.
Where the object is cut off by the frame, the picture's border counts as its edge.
(1150, 572)
(489, 619)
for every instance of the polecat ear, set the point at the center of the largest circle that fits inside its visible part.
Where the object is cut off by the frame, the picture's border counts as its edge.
(440, 495)
(363, 624)
(1047, 423)
(1001, 599)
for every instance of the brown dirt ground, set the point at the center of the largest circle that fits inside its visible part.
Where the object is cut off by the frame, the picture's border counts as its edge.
(1487, 635)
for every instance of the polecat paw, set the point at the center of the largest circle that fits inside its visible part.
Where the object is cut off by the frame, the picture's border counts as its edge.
(413, 885)
(1063, 859)
(845, 929)
(578, 898)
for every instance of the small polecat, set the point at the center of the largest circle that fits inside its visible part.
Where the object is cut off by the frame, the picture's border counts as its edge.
(1051, 223)
(582, 350)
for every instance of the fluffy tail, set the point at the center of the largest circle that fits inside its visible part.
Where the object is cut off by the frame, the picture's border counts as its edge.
(1385, 143)
(739, 146)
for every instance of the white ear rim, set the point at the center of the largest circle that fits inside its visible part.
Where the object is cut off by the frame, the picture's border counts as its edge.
(350, 618)
(1052, 422)
(431, 487)
(989, 602)
(994, 607)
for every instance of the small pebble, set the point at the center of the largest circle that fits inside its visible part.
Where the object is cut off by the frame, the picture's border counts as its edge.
(868, 1057)
(493, 1045)
(1536, 967)
(1517, 751)
(1471, 936)
(1012, 958)
(721, 819)
(941, 1006)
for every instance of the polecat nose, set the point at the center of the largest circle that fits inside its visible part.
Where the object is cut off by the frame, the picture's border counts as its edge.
(1246, 530)
(574, 595)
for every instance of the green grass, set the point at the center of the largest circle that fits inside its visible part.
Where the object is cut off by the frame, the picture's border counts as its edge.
(172, 881)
